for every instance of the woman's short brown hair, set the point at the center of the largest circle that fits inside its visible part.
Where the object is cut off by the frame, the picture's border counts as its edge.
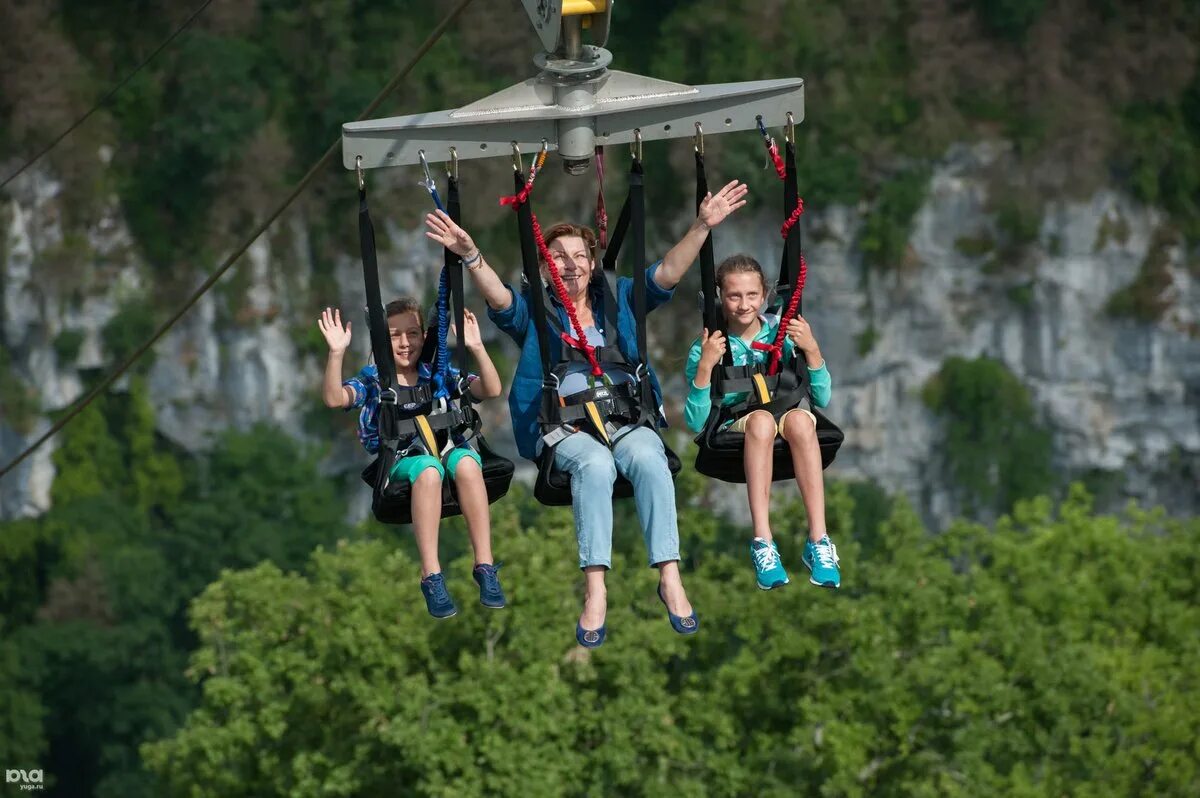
(404, 304)
(740, 264)
(563, 229)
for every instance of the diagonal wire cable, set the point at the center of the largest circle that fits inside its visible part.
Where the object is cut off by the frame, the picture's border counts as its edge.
(130, 359)
(112, 92)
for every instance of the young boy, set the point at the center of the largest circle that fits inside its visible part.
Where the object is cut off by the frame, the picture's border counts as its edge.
(424, 470)
(743, 294)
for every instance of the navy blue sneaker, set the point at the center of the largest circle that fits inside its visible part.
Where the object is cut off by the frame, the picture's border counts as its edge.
(684, 626)
(490, 593)
(437, 598)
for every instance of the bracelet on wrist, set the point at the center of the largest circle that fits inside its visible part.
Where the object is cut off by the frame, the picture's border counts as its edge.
(472, 259)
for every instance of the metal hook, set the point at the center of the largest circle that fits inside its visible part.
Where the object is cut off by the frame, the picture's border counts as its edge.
(452, 165)
(699, 139)
(635, 147)
(789, 130)
(425, 167)
(518, 165)
(359, 170)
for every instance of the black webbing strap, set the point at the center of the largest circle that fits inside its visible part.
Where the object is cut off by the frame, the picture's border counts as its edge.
(448, 420)
(533, 277)
(708, 270)
(617, 238)
(609, 300)
(789, 266)
(710, 316)
(454, 271)
(408, 395)
(381, 342)
(637, 204)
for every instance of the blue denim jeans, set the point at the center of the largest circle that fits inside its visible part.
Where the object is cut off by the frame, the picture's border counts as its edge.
(638, 456)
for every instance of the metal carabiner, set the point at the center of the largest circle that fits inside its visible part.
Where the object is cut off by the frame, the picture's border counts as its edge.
(362, 184)
(428, 183)
(789, 130)
(542, 153)
(425, 168)
(452, 165)
(635, 147)
(518, 165)
(698, 141)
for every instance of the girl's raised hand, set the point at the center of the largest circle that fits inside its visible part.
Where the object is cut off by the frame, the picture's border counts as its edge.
(716, 207)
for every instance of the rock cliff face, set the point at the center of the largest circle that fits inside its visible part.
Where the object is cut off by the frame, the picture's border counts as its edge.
(1120, 396)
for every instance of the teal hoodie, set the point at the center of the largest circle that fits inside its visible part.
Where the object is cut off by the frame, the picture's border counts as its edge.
(699, 400)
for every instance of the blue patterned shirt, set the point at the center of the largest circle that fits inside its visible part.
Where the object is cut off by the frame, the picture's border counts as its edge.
(365, 387)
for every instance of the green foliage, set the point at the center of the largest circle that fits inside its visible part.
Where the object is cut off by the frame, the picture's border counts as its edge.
(1021, 294)
(21, 710)
(1019, 220)
(18, 401)
(95, 589)
(1051, 656)
(1009, 19)
(1145, 298)
(128, 329)
(865, 341)
(1160, 155)
(198, 116)
(885, 232)
(67, 344)
(995, 449)
(975, 246)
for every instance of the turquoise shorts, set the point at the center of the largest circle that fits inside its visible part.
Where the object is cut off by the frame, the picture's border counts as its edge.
(411, 467)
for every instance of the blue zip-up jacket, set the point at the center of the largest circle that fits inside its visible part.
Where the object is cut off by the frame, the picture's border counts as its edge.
(525, 394)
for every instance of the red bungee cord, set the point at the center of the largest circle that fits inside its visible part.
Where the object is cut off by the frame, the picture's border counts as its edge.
(580, 341)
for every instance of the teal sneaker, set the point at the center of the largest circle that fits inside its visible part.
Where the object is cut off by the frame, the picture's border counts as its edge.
(767, 567)
(822, 560)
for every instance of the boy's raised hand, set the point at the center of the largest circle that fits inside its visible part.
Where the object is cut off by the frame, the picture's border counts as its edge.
(473, 338)
(712, 347)
(336, 336)
(442, 229)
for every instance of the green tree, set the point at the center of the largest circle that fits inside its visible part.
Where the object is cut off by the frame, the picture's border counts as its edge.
(1052, 655)
(995, 449)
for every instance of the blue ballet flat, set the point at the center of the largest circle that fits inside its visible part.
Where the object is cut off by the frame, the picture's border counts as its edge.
(684, 626)
(590, 638)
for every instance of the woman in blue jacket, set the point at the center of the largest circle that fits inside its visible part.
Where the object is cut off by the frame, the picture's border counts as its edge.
(637, 452)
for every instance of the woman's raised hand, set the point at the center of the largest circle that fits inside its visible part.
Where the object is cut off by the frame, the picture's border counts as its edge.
(442, 229)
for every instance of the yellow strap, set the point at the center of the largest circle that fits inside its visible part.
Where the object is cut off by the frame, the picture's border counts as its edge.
(571, 8)
(764, 396)
(593, 414)
(427, 436)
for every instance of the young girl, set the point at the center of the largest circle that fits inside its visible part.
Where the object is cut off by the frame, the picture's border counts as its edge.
(743, 294)
(424, 471)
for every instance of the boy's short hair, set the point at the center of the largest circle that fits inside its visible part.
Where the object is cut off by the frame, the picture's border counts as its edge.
(740, 264)
(404, 304)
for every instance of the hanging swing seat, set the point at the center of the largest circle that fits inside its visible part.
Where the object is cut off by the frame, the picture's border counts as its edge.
(404, 411)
